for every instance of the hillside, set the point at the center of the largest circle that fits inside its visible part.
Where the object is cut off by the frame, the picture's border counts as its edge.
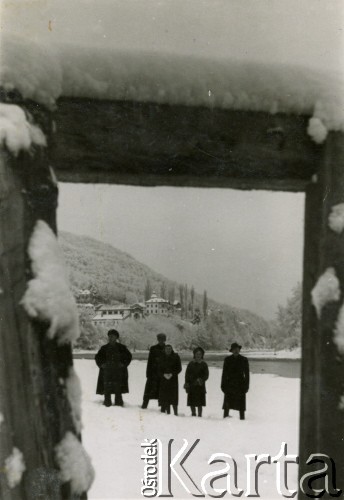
(113, 272)
(118, 277)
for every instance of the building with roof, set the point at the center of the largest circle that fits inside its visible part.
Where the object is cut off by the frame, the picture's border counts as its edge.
(108, 315)
(157, 305)
(83, 296)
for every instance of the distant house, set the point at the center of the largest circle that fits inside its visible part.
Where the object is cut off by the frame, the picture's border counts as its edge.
(87, 309)
(177, 307)
(157, 305)
(107, 315)
(83, 296)
(137, 311)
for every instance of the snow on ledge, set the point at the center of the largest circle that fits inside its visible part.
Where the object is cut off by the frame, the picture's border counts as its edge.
(74, 463)
(326, 290)
(341, 403)
(2, 419)
(167, 78)
(74, 396)
(336, 218)
(317, 130)
(48, 296)
(14, 467)
(16, 132)
(339, 332)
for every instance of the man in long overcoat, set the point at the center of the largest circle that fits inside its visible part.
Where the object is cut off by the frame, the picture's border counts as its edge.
(169, 368)
(113, 360)
(152, 371)
(235, 381)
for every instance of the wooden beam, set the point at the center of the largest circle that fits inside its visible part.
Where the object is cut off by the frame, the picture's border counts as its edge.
(33, 401)
(322, 417)
(153, 144)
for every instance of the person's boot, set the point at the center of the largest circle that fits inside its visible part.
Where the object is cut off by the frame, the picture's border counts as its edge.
(175, 410)
(193, 411)
(107, 400)
(163, 409)
(145, 403)
(118, 400)
(199, 409)
(225, 413)
(168, 409)
(242, 415)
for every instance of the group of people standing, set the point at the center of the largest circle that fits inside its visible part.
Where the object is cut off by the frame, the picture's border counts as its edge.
(163, 367)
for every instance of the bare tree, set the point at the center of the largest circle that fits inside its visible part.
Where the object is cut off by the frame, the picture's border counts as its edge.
(163, 290)
(181, 298)
(192, 295)
(186, 300)
(171, 294)
(205, 304)
(148, 289)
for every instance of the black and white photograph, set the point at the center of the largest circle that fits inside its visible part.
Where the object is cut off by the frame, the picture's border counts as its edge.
(171, 249)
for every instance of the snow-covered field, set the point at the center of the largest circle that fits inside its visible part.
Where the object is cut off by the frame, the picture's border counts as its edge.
(112, 436)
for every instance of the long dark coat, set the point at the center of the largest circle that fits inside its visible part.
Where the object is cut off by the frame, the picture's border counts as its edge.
(235, 382)
(168, 390)
(152, 372)
(195, 377)
(113, 377)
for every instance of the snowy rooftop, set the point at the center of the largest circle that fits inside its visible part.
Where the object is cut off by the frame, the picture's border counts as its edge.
(262, 56)
(109, 317)
(118, 307)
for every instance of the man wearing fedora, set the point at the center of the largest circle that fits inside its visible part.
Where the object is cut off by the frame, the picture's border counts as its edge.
(113, 360)
(235, 382)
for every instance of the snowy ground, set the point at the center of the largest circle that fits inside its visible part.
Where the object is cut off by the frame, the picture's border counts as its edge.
(112, 436)
(259, 354)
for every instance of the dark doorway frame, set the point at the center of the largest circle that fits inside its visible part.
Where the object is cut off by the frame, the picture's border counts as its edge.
(152, 144)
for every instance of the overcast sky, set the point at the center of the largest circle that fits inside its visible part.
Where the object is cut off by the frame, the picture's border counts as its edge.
(244, 247)
(305, 32)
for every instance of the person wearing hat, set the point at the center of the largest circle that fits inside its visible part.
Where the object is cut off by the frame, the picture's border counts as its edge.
(169, 368)
(152, 372)
(197, 373)
(113, 360)
(235, 382)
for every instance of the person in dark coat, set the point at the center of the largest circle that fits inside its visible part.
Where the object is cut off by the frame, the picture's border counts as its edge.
(235, 382)
(152, 371)
(196, 374)
(169, 368)
(113, 360)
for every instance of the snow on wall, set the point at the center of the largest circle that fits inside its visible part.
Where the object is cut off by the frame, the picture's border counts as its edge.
(48, 296)
(339, 332)
(326, 290)
(16, 132)
(336, 218)
(74, 396)
(317, 130)
(2, 419)
(74, 463)
(341, 403)
(14, 467)
(162, 77)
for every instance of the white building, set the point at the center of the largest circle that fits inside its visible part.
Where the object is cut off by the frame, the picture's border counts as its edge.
(157, 305)
(114, 315)
(83, 296)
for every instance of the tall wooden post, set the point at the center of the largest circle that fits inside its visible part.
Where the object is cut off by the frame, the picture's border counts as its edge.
(34, 408)
(322, 386)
